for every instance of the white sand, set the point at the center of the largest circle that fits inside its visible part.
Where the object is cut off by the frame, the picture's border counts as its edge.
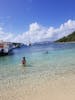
(60, 88)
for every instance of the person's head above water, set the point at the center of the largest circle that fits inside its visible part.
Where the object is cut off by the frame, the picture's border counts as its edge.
(23, 58)
(46, 52)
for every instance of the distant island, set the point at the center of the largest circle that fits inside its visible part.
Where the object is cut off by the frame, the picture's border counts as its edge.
(69, 38)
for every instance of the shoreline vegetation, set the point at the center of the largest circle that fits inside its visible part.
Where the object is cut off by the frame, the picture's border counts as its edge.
(67, 39)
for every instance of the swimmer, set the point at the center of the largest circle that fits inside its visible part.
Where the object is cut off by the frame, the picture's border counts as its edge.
(23, 61)
(46, 52)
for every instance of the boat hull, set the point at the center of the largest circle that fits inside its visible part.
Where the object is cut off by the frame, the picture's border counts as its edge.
(6, 53)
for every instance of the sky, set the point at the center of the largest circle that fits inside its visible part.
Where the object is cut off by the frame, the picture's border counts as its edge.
(36, 20)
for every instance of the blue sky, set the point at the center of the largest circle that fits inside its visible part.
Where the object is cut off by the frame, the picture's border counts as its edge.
(17, 15)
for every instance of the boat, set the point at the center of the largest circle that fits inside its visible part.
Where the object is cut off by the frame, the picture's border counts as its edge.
(30, 44)
(5, 48)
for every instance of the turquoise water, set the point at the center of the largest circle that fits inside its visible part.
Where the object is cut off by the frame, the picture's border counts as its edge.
(59, 60)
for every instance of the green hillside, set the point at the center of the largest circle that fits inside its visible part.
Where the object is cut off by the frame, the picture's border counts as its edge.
(69, 38)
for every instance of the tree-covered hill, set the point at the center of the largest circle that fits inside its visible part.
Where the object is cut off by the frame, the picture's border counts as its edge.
(69, 38)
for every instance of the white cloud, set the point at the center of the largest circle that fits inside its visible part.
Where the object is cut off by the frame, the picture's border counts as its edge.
(0, 28)
(37, 33)
(6, 36)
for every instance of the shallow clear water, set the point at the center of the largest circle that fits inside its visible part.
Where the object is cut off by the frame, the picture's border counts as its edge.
(60, 59)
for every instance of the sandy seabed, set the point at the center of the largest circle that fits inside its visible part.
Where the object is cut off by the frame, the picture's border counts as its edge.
(55, 88)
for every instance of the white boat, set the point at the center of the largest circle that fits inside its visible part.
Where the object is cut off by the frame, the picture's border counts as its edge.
(5, 47)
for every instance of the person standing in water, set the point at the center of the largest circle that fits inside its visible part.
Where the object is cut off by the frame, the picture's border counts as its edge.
(23, 61)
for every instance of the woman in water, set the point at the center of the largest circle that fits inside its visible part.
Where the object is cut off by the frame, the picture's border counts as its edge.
(23, 61)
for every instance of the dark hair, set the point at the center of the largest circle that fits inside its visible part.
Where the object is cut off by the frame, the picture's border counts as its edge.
(23, 57)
